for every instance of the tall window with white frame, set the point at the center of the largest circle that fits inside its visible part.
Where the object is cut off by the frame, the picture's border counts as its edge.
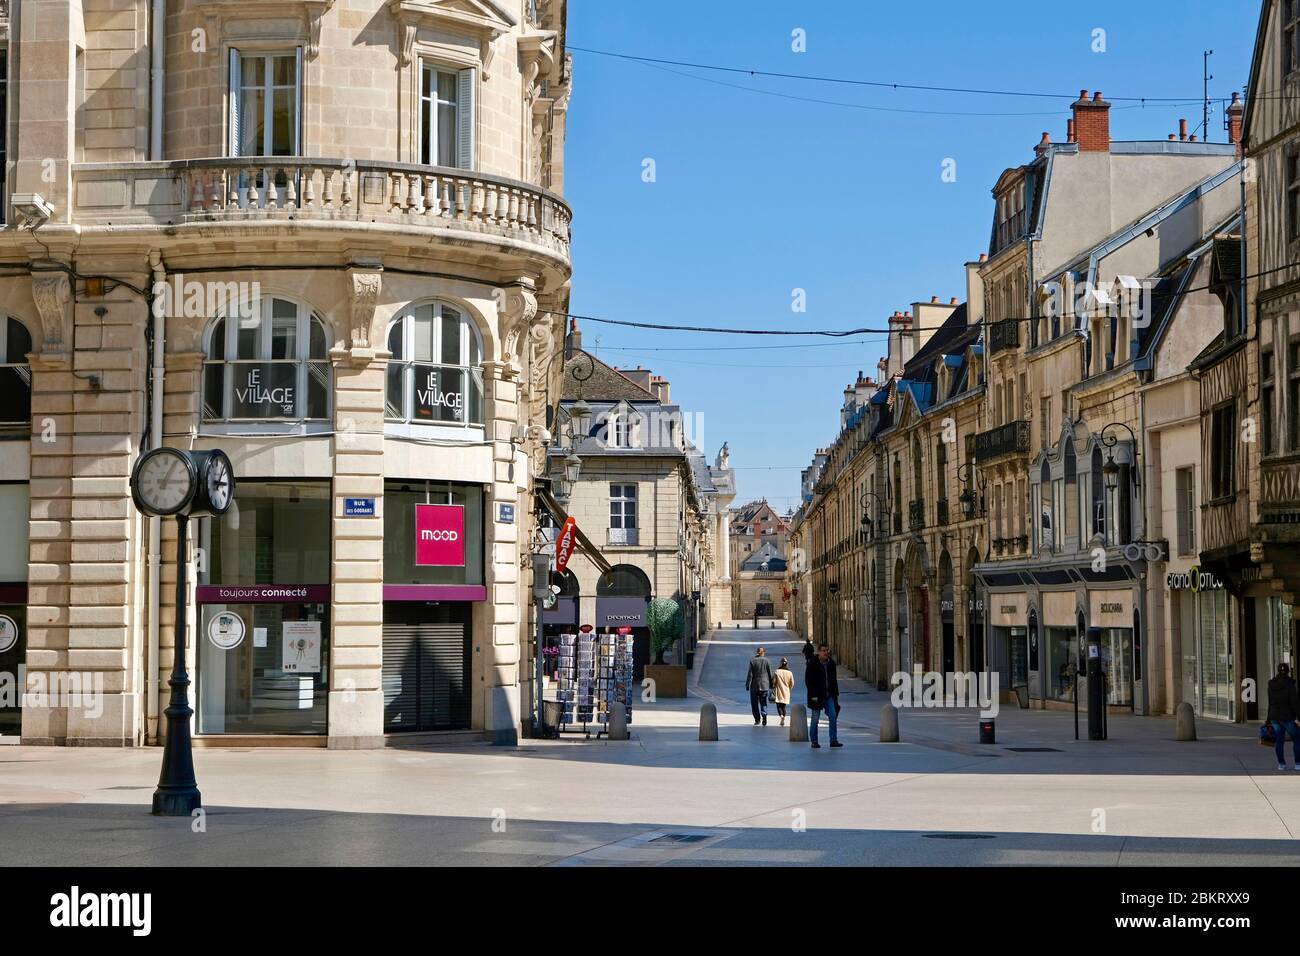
(622, 514)
(446, 116)
(267, 361)
(15, 377)
(434, 375)
(1185, 509)
(265, 107)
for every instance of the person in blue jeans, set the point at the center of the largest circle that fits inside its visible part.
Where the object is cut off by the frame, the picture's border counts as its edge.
(823, 694)
(1283, 708)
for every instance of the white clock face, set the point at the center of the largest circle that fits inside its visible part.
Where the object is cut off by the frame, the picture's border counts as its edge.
(219, 483)
(163, 481)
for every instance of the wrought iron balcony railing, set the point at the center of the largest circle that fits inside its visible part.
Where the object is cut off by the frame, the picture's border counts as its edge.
(1009, 439)
(916, 515)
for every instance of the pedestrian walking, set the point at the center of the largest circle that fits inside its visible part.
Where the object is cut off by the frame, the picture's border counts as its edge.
(809, 652)
(823, 694)
(759, 682)
(1283, 708)
(782, 685)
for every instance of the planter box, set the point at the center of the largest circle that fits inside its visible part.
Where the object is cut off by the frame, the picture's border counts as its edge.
(670, 679)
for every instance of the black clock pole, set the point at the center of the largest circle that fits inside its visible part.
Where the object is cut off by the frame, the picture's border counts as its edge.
(178, 792)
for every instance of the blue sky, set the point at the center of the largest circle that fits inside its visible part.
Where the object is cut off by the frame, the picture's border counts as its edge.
(756, 196)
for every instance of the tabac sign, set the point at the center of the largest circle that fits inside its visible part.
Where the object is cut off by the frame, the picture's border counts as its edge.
(565, 543)
(440, 536)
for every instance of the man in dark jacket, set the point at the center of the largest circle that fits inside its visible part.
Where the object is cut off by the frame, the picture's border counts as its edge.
(1283, 708)
(823, 694)
(809, 652)
(758, 682)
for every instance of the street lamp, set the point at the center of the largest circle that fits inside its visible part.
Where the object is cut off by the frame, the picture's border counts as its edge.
(868, 526)
(1111, 468)
(972, 498)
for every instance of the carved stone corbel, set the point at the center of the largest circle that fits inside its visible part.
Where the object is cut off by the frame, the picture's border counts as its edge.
(364, 285)
(315, 13)
(53, 296)
(543, 349)
(518, 309)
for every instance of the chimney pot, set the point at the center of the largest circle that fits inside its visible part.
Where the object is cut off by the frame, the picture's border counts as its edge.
(1069, 130)
(1172, 136)
(1182, 129)
(1192, 138)
(934, 299)
(953, 301)
(984, 257)
(1083, 96)
(1096, 97)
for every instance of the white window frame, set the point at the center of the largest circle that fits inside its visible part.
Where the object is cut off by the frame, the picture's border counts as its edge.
(297, 424)
(406, 426)
(466, 88)
(236, 91)
(21, 364)
(623, 526)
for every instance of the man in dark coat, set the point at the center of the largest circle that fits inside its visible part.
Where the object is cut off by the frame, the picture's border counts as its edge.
(759, 682)
(823, 694)
(1283, 708)
(809, 652)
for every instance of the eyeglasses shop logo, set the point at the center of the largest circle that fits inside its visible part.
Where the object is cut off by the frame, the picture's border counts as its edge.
(74, 909)
(72, 689)
(182, 298)
(933, 689)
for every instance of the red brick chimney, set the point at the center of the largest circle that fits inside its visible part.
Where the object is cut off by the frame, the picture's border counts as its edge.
(1236, 112)
(1092, 123)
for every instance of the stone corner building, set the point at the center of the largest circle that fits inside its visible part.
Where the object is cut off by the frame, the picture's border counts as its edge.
(354, 208)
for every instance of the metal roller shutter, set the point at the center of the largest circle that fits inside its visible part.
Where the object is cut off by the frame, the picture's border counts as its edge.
(426, 673)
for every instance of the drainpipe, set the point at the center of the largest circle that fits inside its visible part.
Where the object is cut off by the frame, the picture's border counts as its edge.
(155, 523)
(157, 44)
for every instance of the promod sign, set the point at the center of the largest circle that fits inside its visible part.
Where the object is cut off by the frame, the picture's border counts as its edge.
(440, 536)
(565, 543)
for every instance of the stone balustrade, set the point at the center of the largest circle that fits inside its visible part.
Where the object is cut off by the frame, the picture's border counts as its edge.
(260, 188)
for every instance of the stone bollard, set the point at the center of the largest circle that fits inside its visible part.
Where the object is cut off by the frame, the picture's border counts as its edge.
(1185, 720)
(618, 721)
(798, 723)
(708, 722)
(889, 724)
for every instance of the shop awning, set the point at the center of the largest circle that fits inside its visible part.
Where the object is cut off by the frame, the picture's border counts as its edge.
(559, 514)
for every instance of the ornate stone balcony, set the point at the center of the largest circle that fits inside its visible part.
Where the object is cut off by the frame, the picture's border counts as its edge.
(344, 191)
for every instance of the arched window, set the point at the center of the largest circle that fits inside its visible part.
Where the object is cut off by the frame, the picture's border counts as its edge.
(1046, 525)
(623, 580)
(434, 376)
(15, 375)
(269, 362)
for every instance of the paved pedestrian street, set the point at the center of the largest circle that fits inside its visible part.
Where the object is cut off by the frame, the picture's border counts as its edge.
(1036, 797)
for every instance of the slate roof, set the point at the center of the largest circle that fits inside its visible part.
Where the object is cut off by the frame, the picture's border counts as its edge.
(770, 554)
(606, 383)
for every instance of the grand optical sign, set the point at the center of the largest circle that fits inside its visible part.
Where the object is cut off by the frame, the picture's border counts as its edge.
(1193, 580)
(440, 536)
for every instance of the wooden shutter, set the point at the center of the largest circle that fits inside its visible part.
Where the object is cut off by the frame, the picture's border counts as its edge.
(466, 85)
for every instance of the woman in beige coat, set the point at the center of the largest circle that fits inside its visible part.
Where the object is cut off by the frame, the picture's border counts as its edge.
(782, 684)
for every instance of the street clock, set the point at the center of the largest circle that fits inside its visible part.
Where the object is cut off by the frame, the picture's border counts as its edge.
(171, 481)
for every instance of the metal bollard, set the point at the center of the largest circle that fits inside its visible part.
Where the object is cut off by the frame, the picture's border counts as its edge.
(987, 732)
(618, 721)
(798, 723)
(889, 724)
(708, 722)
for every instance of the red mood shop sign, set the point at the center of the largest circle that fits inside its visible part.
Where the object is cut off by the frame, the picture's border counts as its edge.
(440, 536)
(565, 542)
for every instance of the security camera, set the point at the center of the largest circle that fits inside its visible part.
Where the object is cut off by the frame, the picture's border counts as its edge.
(32, 209)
